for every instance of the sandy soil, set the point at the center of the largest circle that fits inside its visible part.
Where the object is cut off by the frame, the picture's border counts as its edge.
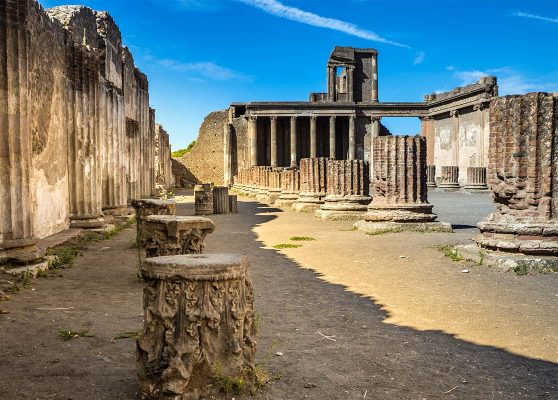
(402, 328)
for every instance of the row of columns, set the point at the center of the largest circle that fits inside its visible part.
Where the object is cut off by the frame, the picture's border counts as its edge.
(253, 135)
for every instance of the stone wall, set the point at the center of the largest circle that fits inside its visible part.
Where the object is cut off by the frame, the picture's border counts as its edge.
(206, 159)
(76, 135)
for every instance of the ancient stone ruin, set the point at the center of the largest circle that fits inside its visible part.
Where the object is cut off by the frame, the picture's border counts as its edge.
(522, 175)
(79, 140)
(399, 201)
(199, 325)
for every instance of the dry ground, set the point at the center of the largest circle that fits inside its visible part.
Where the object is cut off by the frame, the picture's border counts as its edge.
(405, 323)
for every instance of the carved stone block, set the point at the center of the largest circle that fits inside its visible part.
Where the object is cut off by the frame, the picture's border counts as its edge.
(431, 176)
(233, 203)
(203, 199)
(450, 177)
(476, 178)
(199, 325)
(167, 235)
(146, 207)
(220, 200)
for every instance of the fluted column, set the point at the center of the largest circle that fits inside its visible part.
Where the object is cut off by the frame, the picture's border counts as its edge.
(375, 132)
(352, 138)
(332, 137)
(290, 187)
(313, 138)
(253, 139)
(455, 136)
(399, 200)
(476, 178)
(293, 142)
(350, 83)
(331, 77)
(480, 109)
(273, 141)
(450, 177)
(313, 184)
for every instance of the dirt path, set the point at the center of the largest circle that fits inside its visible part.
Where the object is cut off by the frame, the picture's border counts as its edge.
(404, 328)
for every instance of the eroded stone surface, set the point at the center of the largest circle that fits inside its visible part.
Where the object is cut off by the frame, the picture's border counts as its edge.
(313, 184)
(203, 199)
(199, 324)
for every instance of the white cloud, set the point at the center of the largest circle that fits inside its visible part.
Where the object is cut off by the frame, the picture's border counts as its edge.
(419, 58)
(450, 68)
(278, 9)
(534, 16)
(509, 81)
(206, 69)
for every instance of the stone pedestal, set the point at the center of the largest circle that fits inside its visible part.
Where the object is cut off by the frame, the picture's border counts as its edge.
(522, 176)
(476, 179)
(313, 183)
(220, 200)
(347, 190)
(274, 190)
(450, 177)
(290, 187)
(233, 203)
(399, 182)
(199, 325)
(262, 185)
(431, 176)
(167, 235)
(146, 207)
(203, 199)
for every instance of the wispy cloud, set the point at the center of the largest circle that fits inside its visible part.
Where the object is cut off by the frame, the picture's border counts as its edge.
(419, 58)
(280, 10)
(534, 16)
(509, 80)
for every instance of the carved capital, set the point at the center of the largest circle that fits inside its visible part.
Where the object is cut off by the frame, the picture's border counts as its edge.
(273, 118)
(313, 117)
(332, 118)
(426, 118)
(479, 107)
(293, 118)
(375, 119)
(454, 113)
(253, 118)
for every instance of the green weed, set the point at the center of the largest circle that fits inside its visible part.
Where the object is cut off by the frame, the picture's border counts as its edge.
(451, 252)
(286, 246)
(301, 238)
(71, 334)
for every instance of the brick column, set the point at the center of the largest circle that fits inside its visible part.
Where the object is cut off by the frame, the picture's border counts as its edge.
(347, 190)
(399, 200)
(290, 187)
(450, 177)
(476, 178)
(431, 176)
(312, 184)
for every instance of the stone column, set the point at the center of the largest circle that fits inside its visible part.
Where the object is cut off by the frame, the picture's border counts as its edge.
(350, 83)
(375, 78)
(203, 199)
(146, 207)
(290, 187)
(522, 173)
(427, 131)
(347, 190)
(17, 238)
(263, 184)
(227, 156)
(399, 201)
(476, 179)
(233, 203)
(431, 176)
(273, 141)
(253, 139)
(313, 184)
(274, 190)
(199, 322)
(352, 138)
(313, 138)
(331, 78)
(220, 200)
(455, 136)
(450, 177)
(479, 108)
(374, 134)
(167, 235)
(85, 177)
(332, 137)
(293, 142)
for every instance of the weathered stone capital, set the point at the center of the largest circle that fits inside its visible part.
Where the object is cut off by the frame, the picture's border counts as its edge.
(313, 117)
(332, 118)
(454, 113)
(479, 107)
(375, 119)
(253, 118)
(426, 118)
(293, 118)
(273, 118)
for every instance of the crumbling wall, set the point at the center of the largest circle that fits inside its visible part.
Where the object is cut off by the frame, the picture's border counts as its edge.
(66, 88)
(206, 159)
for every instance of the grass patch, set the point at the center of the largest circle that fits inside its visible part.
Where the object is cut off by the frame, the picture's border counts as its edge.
(70, 334)
(286, 246)
(126, 335)
(451, 252)
(301, 238)
(64, 256)
(525, 269)
(42, 273)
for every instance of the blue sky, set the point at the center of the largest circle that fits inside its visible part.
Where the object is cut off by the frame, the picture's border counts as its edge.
(201, 55)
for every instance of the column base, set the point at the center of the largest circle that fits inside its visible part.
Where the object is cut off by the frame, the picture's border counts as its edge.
(87, 221)
(262, 195)
(449, 186)
(308, 202)
(378, 228)
(343, 207)
(117, 210)
(476, 187)
(273, 196)
(22, 251)
(406, 213)
(521, 264)
(286, 200)
(431, 184)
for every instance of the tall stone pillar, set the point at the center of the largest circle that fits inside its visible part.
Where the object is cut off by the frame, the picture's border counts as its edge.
(273, 141)
(352, 138)
(85, 178)
(347, 190)
(313, 184)
(293, 142)
(427, 131)
(290, 187)
(399, 200)
(227, 156)
(455, 136)
(375, 132)
(375, 78)
(313, 138)
(332, 137)
(253, 139)
(17, 238)
(350, 83)
(481, 157)
(331, 78)
(522, 175)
